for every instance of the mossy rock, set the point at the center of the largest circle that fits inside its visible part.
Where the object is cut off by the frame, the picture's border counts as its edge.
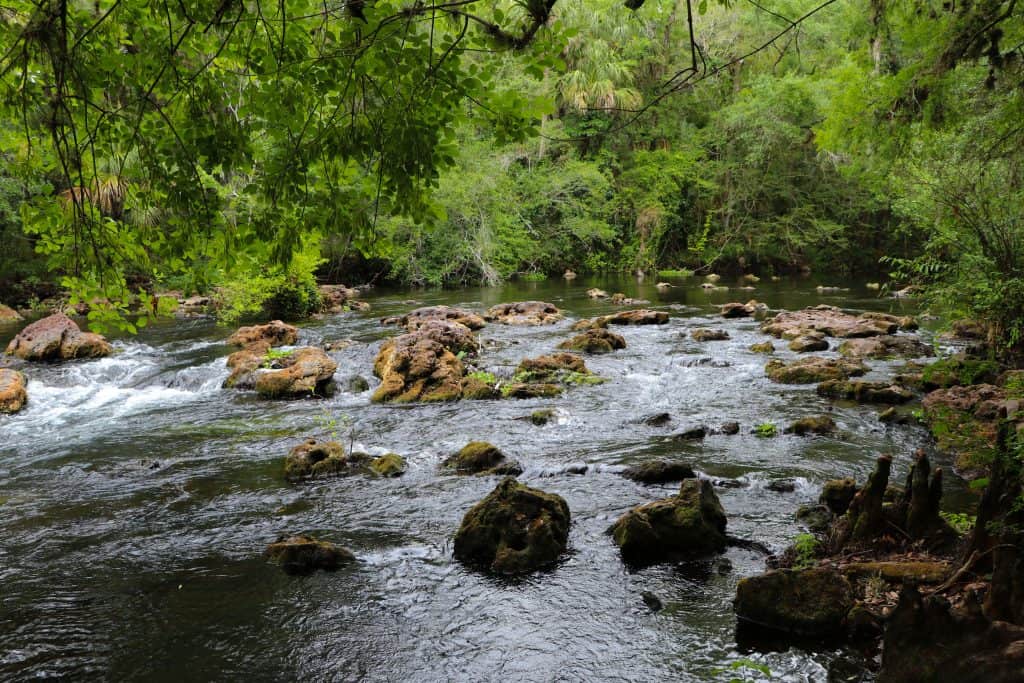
(817, 518)
(549, 368)
(809, 342)
(480, 457)
(595, 340)
(763, 347)
(688, 525)
(819, 424)
(812, 370)
(659, 472)
(705, 335)
(837, 494)
(531, 390)
(950, 372)
(542, 417)
(304, 554)
(865, 392)
(807, 602)
(898, 572)
(314, 459)
(515, 529)
(476, 389)
(388, 465)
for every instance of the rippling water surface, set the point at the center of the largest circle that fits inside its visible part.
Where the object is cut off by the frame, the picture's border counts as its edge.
(137, 497)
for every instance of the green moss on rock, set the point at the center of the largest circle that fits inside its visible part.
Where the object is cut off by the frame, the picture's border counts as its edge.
(388, 465)
(480, 457)
(807, 602)
(304, 554)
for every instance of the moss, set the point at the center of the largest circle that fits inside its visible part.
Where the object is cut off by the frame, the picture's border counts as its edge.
(542, 417)
(481, 376)
(865, 392)
(475, 389)
(811, 602)
(763, 347)
(388, 465)
(531, 390)
(812, 370)
(820, 424)
(955, 431)
(950, 372)
(480, 457)
(582, 378)
(304, 555)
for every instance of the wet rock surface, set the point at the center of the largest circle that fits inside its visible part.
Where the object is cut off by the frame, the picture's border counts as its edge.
(524, 313)
(480, 457)
(57, 337)
(810, 602)
(305, 555)
(812, 370)
(13, 394)
(416, 318)
(596, 340)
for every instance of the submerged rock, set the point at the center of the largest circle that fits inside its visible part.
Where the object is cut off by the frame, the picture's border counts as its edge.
(307, 371)
(13, 394)
(274, 333)
(865, 392)
(515, 529)
(524, 313)
(885, 346)
(812, 370)
(763, 347)
(820, 424)
(807, 602)
(304, 554)
(415, 319)
(57, 337)
(531, 390)
(594, 340)
(541, 417)
(480, 457)
(703, 335)
(659, 472)
(687, 525)
(695, 433)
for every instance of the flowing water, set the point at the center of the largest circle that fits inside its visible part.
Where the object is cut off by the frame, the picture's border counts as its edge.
(137, 497)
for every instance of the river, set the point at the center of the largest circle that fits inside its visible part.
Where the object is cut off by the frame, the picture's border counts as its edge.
(137, 497)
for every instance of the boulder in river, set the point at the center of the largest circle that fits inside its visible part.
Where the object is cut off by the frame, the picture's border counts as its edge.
(8, 314)
(514, 529)
(828, 320)
(414, 319)
(417, 366)
(886, 346)
(763, 347)
(564, 368)
(339, 298)
(274, 333)
(306, 371)
(314, 459)
(810, 341)
(531, 390)
(688, 525)
(305, 554)
(620, 299)
(595, 293)
(480, 457)
(640, 316)
(865, 392)
(595, 340)
(659, 472)
(703, 334)
(57, 337)
(803, 602)
(837, 494)
(818, 424)
(738, 310)
(812, 370)
(524, 313)
(12, 391)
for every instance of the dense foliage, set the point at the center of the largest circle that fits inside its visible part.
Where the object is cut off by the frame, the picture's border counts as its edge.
(249, 147)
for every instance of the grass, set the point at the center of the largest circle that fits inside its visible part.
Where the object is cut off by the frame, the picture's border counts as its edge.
(672, 272)
(533, 277)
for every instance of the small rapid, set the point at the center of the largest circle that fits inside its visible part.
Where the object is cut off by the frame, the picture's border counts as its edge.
(137, 497)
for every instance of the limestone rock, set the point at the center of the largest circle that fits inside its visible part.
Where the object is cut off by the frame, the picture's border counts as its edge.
(808, 602)
(595, 340)
(812, 370)
(524, 313)
(480, 457)
(57, 337)
(13, 394)
(304, 554)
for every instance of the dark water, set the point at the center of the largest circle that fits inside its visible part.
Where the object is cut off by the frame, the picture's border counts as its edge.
(136, 499)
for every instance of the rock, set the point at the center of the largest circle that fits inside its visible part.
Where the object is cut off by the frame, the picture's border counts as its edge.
(885, 346)
(907, 323)
(687, 525)
(817, 518)
(737, 310)
(480, 457)
(514, 529)
(620, 299)
(811, 341)
(865, 392)
(314, 459)
(837, 494)
(704, 335)
(750, 277)
(13, 394)
(813, 369)
(417, 367)
(873, 286)
(595, 293)
(339, 298)
(475, 388)
(712, 277)
(57, 337)
(763, 347)
(959, 371)
(782, 485)
(898, 572)
(304, 554)
(652, 601)
(243, 365)
(416, 318)
(194, 305)
(542, 417)
(8, 314)
(639, 316)
(388, 465)
(828, 320)
(555, 367)
(964, 421)
(306, 371)
(656, 419)
(569, 275)
(692, 434)
(263, 337)
(595, 340)
(659, 472)
(729, 428)
(357, 384)
(531, 390)
(968, 330)
(663, 286)
(820, 424)
(808, 602)
(524, 313)
(893, 415)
